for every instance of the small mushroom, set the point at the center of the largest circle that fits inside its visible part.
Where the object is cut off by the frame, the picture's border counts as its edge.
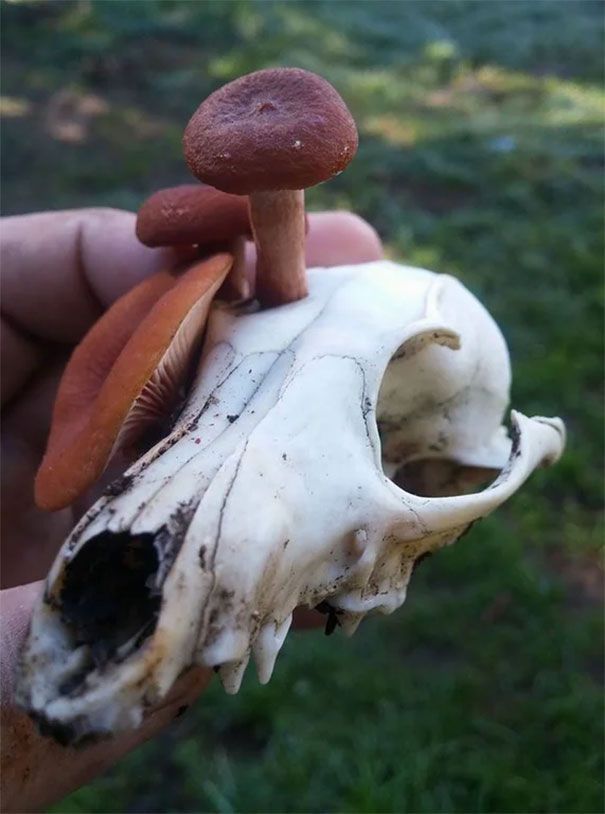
(123, 376)
(192, 214)
(270, 135)
(199, 215)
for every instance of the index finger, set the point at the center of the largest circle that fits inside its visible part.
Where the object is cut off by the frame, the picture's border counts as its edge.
(60, 270)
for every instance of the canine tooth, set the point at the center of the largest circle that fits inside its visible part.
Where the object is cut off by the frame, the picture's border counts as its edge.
(231, 675)
(267, 645)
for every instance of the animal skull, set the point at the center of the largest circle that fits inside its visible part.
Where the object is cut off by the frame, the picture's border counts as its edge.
(274, 490)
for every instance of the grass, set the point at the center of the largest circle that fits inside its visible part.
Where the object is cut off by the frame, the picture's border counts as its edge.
(481, 155)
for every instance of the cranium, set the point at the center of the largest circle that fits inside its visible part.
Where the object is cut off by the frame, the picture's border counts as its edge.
(274, 490)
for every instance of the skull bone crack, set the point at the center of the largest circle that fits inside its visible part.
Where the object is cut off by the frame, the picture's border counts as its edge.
(277, 487)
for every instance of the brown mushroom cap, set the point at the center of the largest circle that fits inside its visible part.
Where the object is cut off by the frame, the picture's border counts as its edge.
(192, 214)
(280, 128)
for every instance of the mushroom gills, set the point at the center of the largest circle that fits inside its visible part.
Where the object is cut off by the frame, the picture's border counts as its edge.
(167, 387)
(93, 420)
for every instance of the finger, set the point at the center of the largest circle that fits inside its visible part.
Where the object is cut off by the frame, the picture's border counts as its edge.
(37, 771)
(30, 537)
(340, 238)
(60, 270)
(21, 355)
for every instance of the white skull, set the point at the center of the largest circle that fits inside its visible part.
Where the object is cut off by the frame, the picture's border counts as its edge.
(274, 490)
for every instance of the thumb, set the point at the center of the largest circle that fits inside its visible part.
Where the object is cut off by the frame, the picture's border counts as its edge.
(37, 771)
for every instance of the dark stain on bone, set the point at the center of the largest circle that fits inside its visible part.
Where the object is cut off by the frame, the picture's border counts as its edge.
(74, 681)
(164, 447)
(226, 597)
(179, 522)
(119, 486)
(202, 556)
(232, 418)
(515, 452)
(440, 444)
(169, 539)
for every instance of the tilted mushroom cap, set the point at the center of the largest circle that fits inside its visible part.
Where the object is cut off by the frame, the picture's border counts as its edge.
(192, 214)
(123, 375)
(280, 128)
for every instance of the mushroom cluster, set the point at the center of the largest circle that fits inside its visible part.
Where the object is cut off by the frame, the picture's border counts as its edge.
(304, 466)
(266, 137)
(270, 135)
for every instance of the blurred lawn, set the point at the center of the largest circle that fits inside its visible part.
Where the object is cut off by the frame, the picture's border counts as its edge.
(481, 155)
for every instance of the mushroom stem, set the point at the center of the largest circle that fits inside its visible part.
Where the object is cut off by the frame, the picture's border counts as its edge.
(278, 225)
(236, 286)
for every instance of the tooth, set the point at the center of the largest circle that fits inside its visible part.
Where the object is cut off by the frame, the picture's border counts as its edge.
(231, 675)
(267, 645)
(228, 648)
(349, 622)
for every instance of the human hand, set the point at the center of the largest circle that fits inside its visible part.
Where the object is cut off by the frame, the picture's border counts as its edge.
(59, 272)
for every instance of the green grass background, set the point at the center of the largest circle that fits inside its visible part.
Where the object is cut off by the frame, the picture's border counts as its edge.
(481, 155)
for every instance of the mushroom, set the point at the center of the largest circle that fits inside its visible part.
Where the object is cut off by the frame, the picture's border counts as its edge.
(192, 214)
(123, 376)
(270, 135)
(199, 215)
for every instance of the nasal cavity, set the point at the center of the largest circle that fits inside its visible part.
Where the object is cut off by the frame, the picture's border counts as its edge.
(109, 598)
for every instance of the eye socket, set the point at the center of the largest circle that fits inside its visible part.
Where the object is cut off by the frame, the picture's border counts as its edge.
(109, 597)
(432, 403)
